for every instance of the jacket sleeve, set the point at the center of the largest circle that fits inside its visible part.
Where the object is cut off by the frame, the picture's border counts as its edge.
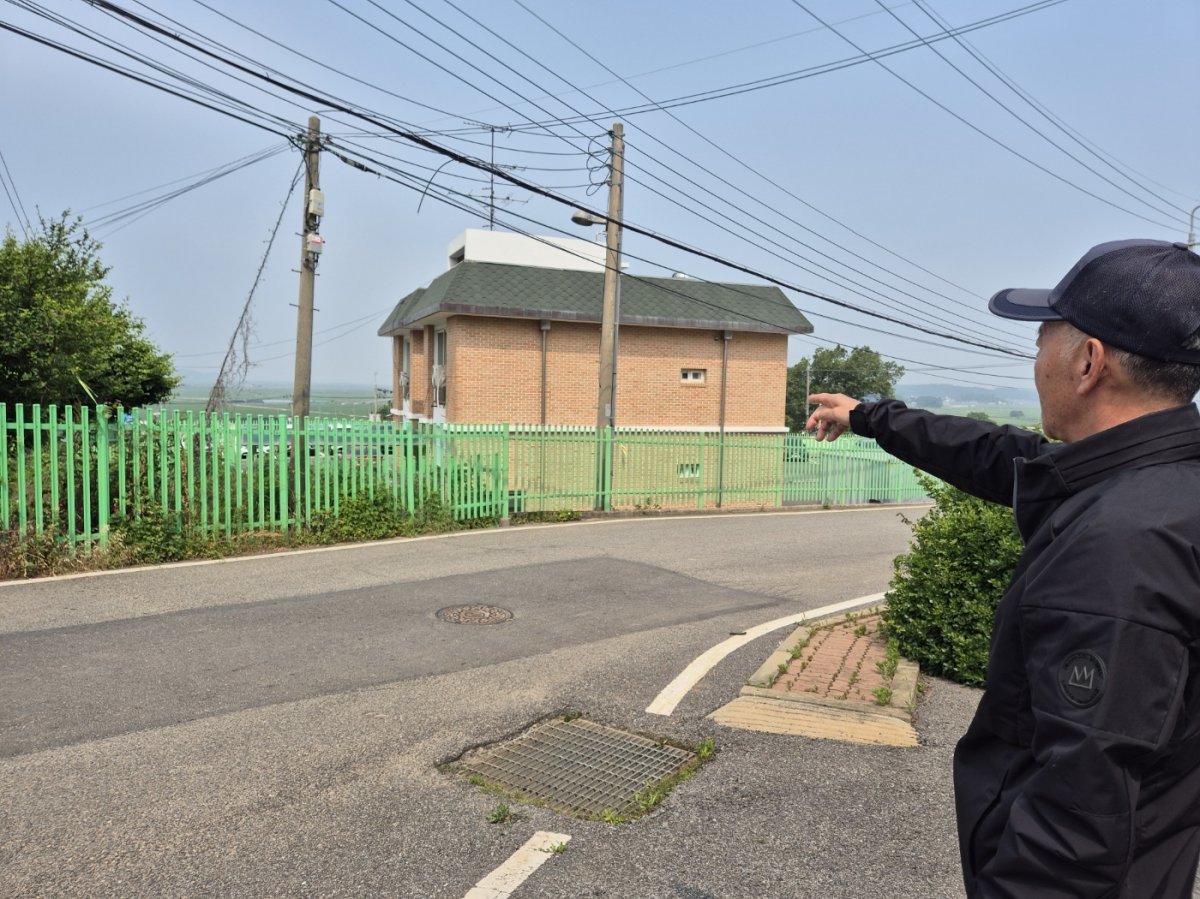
(1106, 689)
(975, 456)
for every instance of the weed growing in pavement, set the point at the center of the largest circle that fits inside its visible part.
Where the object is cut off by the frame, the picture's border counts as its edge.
(556, 848)
(883, 695)
(891, 660)
(500, 813)
(798, 649)
(572, 715)
(860, 631)
(550, 516)
(612, 816)
(705, 749)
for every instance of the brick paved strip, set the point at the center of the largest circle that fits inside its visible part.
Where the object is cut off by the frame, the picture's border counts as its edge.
(801, 719)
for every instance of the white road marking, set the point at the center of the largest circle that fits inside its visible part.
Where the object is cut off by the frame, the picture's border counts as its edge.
(510, 875)
(673, 693)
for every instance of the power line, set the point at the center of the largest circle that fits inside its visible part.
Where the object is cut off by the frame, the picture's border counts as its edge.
(977, 129)
(535, 189)
(237, 360)
(1042, 110)
(1022, 120)
(18, 207)
(137, 211)
(821, 69)
(757, 172)
(127, 73)
(690, 196)
(732, 289)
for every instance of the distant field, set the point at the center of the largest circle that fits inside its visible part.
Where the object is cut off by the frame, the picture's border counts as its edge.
(1022, 416)
(352, 401)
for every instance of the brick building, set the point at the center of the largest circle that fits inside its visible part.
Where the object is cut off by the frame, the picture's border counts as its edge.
(505, 336)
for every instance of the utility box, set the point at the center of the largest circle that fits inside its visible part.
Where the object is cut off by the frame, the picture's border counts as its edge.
(315, 243)
(316, 202)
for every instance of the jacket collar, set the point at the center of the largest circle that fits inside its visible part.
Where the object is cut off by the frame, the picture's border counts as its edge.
(1042, 483)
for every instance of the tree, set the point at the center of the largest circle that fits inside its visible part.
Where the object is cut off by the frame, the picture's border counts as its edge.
(860, 372)
(65, 340)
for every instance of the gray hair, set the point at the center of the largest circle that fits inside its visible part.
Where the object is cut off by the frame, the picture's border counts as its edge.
(1178, 381)
(1175, 381)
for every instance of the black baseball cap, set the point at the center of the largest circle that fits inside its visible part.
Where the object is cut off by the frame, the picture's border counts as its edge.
(1142, 296)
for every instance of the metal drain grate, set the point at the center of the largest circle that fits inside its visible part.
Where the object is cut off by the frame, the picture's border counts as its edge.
(579, 766)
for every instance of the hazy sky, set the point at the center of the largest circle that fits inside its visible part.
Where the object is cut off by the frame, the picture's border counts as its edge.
(894, 184)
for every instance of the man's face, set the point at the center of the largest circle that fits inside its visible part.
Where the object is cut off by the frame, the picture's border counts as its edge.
(1057, 344)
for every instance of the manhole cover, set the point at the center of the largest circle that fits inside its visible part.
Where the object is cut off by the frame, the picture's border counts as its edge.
(579, 766)
(474, 614)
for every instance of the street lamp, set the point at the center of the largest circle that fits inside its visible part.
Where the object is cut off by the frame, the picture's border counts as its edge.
(1192, 227)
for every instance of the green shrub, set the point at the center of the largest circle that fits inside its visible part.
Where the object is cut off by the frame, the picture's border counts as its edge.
(152, 536)
(943, 594)
(34, 555)
(362, 517)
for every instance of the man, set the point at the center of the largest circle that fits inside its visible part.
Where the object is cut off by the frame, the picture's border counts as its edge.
(1080, 774)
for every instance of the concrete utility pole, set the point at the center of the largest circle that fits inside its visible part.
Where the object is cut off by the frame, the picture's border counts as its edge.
(610, 316)
(311, 244)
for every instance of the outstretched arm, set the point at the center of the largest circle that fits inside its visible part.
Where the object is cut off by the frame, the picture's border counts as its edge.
(972, 455)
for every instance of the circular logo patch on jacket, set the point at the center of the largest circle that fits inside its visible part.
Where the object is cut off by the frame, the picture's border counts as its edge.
(1081, 678)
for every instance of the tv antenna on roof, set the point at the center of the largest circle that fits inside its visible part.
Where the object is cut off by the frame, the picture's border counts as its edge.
(493, 129)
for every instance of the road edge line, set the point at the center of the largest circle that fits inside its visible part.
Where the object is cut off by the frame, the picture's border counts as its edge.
(672, 694)
(504, 880)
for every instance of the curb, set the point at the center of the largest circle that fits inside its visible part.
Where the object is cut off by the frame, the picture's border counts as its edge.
(758, 707)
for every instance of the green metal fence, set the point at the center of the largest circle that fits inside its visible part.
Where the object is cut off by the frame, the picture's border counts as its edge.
(77, 471)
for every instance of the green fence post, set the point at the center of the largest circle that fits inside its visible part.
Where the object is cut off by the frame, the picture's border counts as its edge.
(69, 440)
(39, 511)
(5, 489)
(85, 423)
(103, 473)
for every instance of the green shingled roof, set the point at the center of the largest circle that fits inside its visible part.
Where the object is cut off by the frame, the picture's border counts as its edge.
(521, 291)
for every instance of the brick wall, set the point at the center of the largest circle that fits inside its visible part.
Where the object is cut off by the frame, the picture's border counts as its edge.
(494, 375)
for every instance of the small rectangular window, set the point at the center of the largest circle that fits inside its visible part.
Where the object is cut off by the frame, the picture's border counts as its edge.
(692, 375)
(689, 469)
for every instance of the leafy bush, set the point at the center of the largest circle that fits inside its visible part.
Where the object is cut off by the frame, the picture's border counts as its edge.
(944, 591)
(152, 536)
(362, 517)
(34, 555)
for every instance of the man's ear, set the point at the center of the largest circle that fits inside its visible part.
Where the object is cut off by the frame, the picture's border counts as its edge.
(1091, 366)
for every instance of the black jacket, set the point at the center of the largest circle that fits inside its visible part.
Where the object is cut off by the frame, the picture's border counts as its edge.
(1080, 774)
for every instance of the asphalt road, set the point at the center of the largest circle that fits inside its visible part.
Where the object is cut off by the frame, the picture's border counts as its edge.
(274, 726)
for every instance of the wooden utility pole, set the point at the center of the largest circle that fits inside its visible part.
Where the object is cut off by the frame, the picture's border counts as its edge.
(311, 244)
(606, 405)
